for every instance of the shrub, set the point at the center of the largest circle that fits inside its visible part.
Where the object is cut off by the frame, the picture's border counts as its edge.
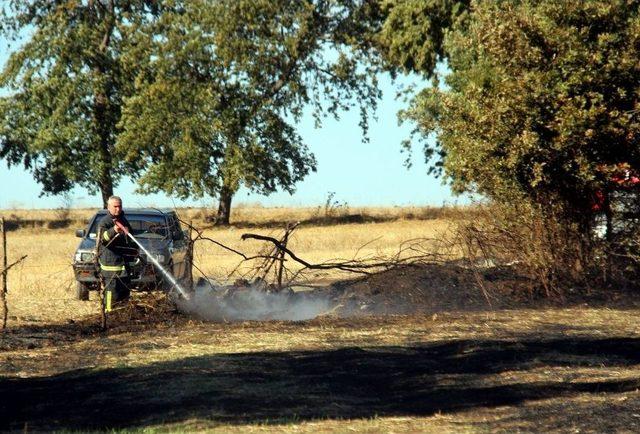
(538, 243)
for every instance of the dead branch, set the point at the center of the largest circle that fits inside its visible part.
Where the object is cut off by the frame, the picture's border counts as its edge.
(14, 264)
(200, 237)
(354, 266)
(411, 251)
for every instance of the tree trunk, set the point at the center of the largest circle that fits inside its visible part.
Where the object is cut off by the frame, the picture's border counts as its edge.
(105, 178)
(106, 189)
(101, 108)
(224, 207)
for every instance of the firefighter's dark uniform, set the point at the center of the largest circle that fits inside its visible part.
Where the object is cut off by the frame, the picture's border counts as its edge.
(117, 250)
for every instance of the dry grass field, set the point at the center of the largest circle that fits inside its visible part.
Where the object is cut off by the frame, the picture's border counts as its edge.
(42, 287)
(445, 362)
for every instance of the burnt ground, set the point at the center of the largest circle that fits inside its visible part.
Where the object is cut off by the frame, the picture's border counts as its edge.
(521, 364)
(425, 288)
(347, 383)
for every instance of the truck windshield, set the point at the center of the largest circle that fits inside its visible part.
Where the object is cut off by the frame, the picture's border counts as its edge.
(143, 226)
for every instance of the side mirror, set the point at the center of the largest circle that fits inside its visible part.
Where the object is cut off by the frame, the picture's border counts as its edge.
(80, 233)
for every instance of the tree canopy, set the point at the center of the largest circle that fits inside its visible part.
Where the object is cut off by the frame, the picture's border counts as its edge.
(225, 82)
(410, 34)
(541, 95)
(67, 84)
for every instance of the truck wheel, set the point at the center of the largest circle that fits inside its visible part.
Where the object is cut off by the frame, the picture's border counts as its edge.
(82, 291)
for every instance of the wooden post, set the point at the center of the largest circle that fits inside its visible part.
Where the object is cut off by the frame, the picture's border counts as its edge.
(103, 306)
(267, 263)
(281, 254)
(3, 293)
(190, 256)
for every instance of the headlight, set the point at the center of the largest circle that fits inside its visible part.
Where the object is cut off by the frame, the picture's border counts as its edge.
(83, 257)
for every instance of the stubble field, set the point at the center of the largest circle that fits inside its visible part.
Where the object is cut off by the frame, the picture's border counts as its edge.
(422, 352)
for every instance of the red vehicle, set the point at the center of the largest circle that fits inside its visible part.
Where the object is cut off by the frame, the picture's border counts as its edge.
(617, 206)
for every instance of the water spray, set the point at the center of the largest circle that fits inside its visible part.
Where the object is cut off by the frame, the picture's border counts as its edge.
(155, 262)
(165, 272)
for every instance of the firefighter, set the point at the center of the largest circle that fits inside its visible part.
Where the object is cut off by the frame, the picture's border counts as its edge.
(117, 250)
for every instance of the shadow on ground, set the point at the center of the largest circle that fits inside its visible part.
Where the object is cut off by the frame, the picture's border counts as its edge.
(270, 387)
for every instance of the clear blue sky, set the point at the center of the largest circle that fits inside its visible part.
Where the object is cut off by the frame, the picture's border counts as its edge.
(360, 174)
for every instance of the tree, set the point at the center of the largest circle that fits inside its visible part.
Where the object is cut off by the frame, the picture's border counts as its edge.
(541, 96)
(225, 82)
(408, 35)
(67, 83)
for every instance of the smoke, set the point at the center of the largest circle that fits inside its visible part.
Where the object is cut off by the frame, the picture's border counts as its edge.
(235, 304)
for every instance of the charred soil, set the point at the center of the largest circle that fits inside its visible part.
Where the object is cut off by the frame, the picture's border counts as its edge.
(415, 348)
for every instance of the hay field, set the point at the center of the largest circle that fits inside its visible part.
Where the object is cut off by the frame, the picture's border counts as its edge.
(533, 367)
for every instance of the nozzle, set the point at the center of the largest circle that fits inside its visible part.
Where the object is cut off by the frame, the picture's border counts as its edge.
(122, 227)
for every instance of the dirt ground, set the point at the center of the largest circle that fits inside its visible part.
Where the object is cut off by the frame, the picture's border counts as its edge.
(415, 349)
